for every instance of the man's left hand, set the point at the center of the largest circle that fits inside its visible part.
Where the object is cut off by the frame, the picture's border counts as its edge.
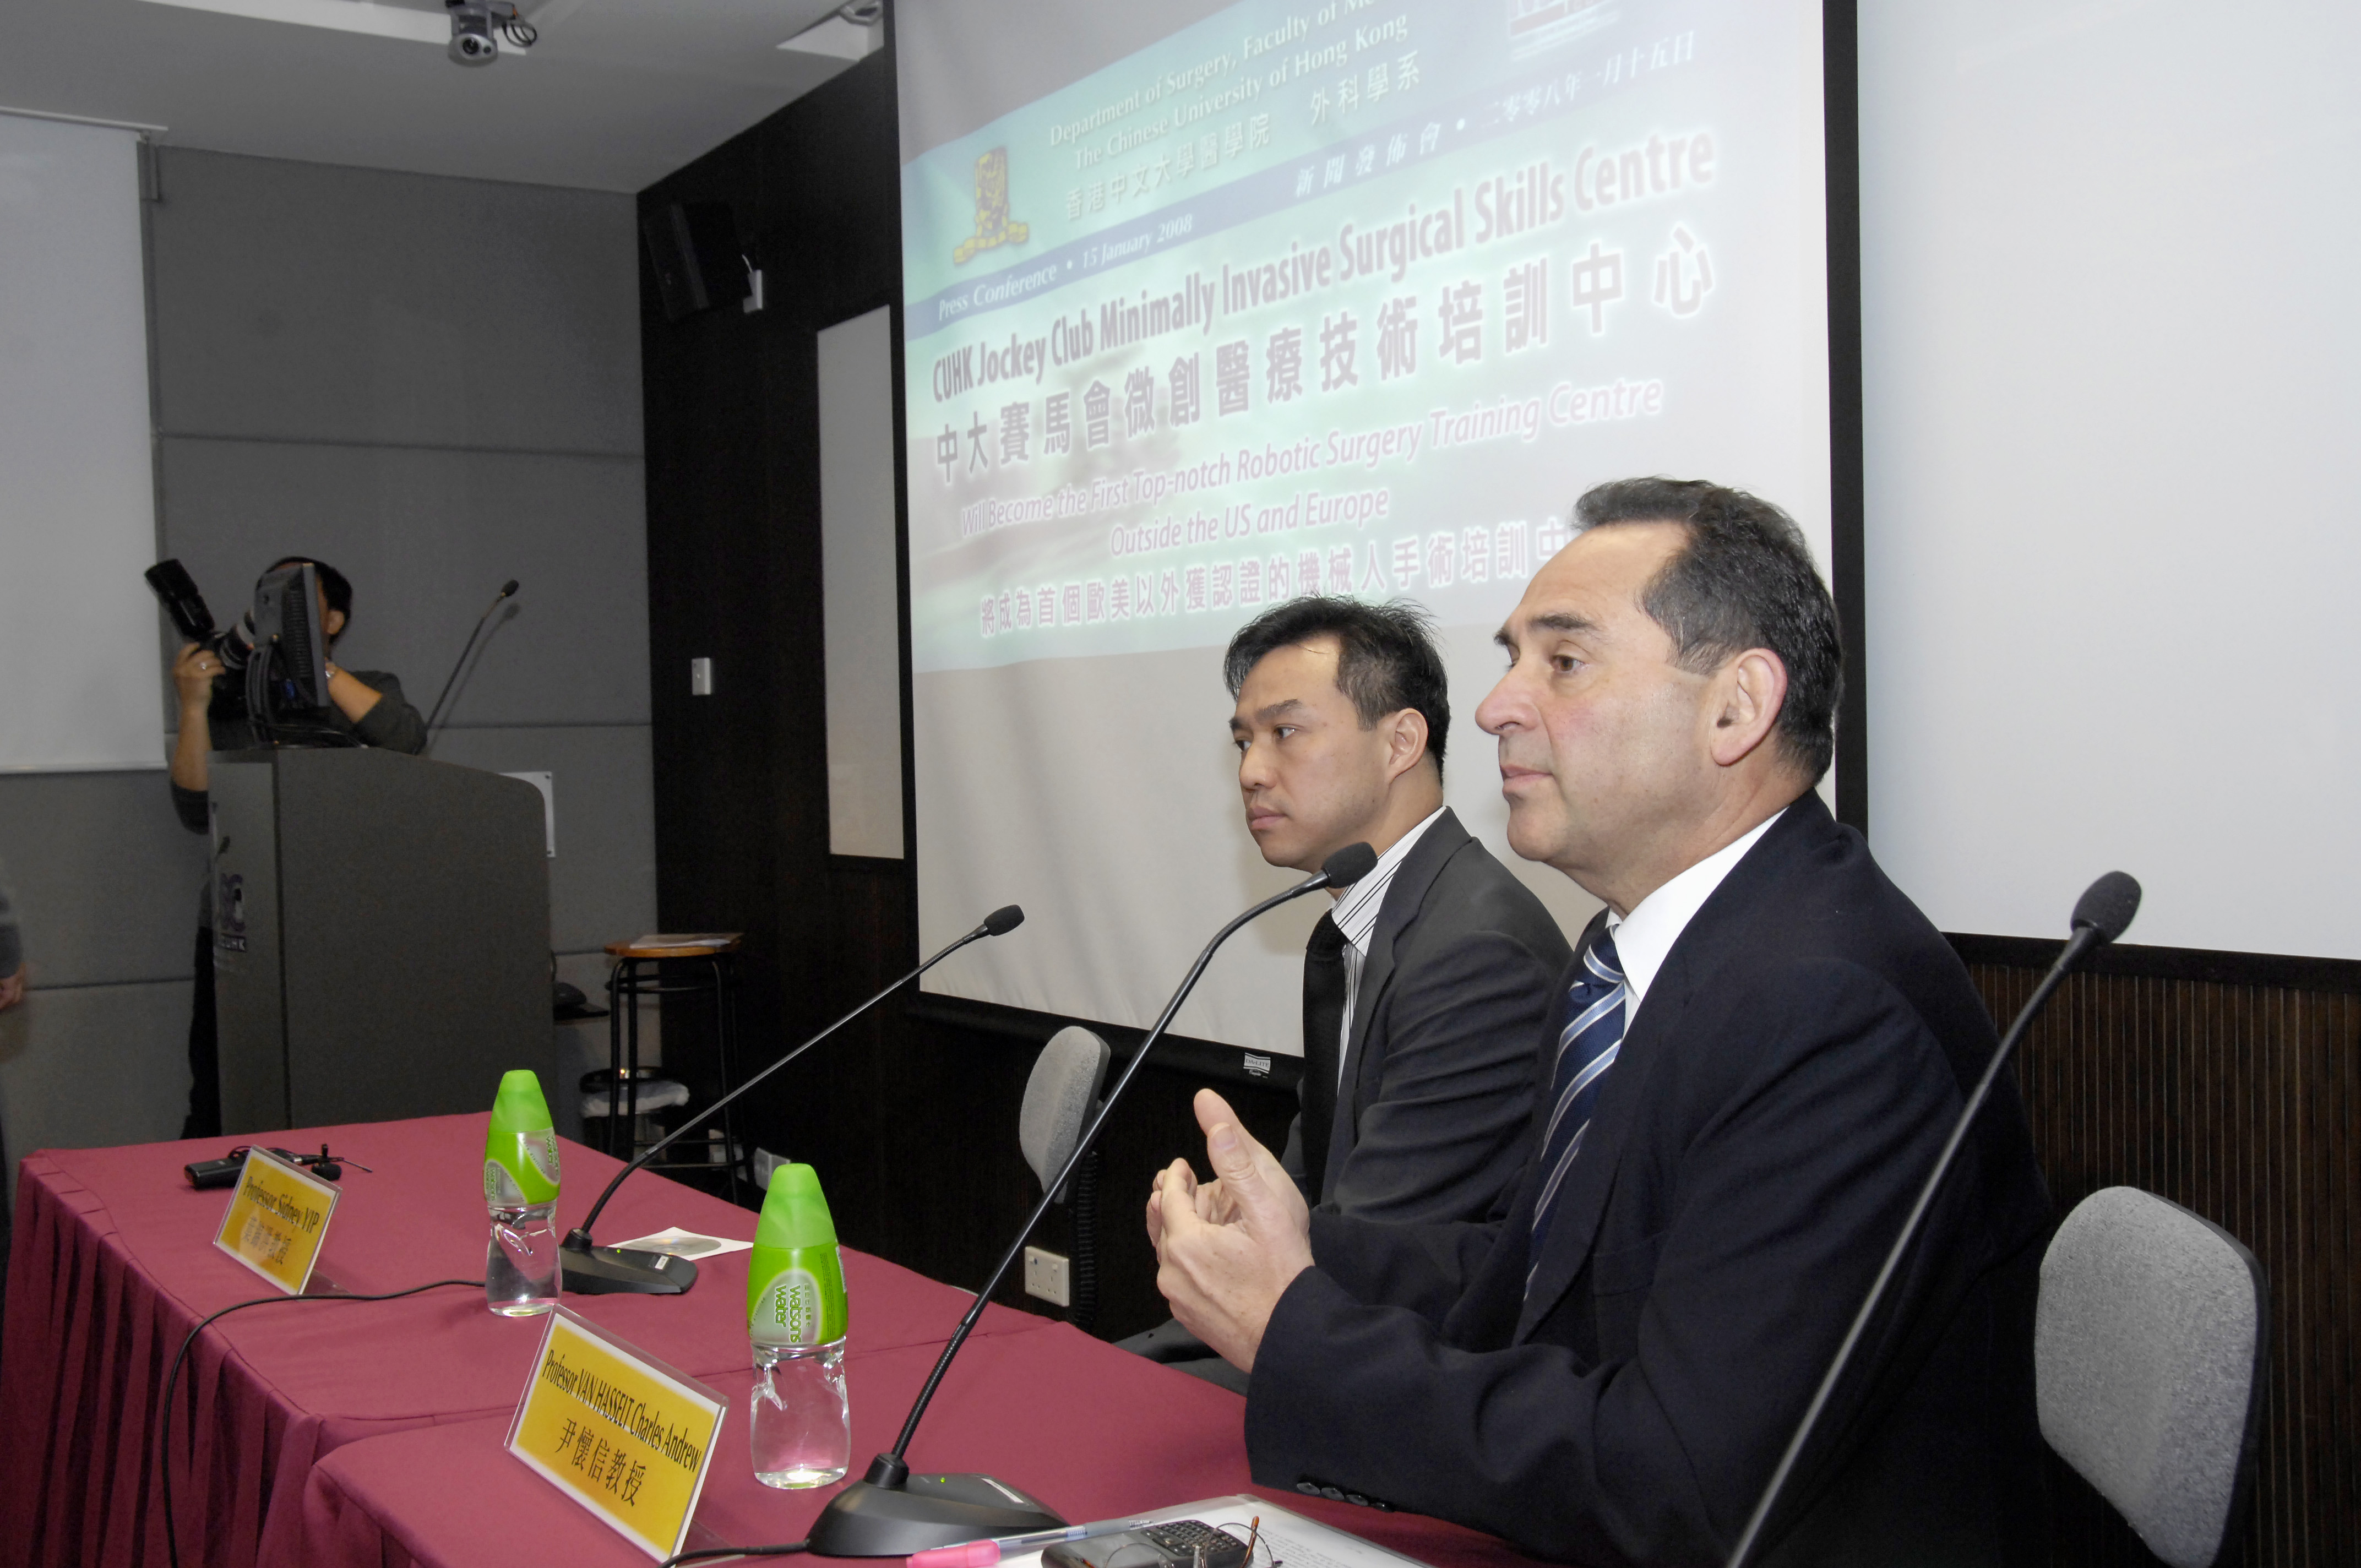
(1225, 1274)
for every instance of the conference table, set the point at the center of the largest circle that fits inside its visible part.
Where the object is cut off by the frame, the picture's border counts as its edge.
(334, 1432)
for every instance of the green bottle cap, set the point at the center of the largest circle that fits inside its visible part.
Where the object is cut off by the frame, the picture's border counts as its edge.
(794, 1276)
(520, 1145)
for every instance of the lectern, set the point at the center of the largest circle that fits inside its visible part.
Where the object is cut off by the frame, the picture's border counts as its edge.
(380, 937)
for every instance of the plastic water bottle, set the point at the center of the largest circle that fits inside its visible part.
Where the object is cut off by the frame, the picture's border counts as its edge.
(520, 1277)
(800, 1423)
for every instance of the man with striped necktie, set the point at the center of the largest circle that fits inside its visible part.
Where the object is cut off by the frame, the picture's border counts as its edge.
(1759, 1048)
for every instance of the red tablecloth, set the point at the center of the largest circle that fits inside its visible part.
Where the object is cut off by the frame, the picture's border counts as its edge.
(1090, 1430)
(114, 1263)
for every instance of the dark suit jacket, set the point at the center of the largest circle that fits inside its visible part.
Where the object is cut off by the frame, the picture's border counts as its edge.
(1781, 1093)
(1433, 1113)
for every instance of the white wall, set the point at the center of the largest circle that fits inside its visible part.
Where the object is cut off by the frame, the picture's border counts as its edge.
(859, 587)
(77, 490)
(2110, 345)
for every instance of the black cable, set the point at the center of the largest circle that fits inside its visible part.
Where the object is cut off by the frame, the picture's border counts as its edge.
(516, 29)
(164, 1437)
(1083, 1204)
(784, 1549)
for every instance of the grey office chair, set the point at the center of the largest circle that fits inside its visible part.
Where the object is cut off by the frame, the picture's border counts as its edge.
(1058, 1100)
(2150, 1343)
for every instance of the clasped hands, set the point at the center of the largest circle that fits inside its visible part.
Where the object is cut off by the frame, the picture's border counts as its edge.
(1227, 1249)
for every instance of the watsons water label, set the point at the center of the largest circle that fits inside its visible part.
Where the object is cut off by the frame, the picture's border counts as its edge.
(500, 1188)
(804, 1302)
(541, 1148)
(522, 1168)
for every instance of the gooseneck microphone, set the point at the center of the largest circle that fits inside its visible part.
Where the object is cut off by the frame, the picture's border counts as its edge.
(499, 599)
(589, 1269)
(892, 1513)
(2102, 914)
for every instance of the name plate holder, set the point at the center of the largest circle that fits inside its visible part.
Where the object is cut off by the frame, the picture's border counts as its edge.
(627, 1437)
(277, 1220)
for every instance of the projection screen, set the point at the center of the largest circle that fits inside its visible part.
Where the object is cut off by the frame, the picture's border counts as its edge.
(1207, 307)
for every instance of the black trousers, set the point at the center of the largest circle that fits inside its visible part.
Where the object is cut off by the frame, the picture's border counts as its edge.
(204, 1120)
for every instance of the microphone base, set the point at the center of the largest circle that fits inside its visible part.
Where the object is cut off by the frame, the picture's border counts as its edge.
(869, 1520)
(586, 1269)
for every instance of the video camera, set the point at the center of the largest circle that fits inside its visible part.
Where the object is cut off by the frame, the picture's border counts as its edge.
(278, 644)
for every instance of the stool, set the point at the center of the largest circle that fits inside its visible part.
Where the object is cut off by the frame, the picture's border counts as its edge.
(709, 962)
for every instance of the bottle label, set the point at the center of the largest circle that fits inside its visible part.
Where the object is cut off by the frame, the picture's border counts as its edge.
(527, 1167)
(542, 1149)
(500, 1188)
(797, 1308)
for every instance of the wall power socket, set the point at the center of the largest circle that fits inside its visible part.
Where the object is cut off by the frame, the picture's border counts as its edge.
(1046, 1277)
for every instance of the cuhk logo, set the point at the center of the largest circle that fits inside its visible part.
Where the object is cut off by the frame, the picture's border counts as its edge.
(992, 226)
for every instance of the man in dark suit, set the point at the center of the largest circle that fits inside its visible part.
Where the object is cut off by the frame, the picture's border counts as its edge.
(1754, 1061)
(1424, 984)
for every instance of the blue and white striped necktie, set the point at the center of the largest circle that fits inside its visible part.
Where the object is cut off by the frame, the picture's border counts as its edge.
(1586, 1047)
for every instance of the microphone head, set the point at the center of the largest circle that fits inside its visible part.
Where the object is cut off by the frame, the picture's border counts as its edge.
(1349, 865)
(507, 588)
(1002, 920)
(2107, 905)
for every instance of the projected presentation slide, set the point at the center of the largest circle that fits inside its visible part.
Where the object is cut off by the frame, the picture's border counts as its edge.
(1302, 299)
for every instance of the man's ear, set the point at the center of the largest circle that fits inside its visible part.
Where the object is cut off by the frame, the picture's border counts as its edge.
(1405, 742)
(1747, 694)
(332, 623)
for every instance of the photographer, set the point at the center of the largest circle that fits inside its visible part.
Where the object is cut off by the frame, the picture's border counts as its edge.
(367, 704)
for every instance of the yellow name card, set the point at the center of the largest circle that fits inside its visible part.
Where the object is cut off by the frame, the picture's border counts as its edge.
(277, 1220)
(622, 1434)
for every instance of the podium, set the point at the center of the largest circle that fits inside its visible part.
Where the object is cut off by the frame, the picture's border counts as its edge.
(380, 937)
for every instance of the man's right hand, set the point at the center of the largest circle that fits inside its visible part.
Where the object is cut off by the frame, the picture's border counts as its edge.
(1223, 1260)
(1209, 1199)
(12, 989)
(193, 669)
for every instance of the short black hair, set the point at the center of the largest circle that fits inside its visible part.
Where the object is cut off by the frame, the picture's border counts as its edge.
(1386, 657)
(335, 585)
(1744, 578)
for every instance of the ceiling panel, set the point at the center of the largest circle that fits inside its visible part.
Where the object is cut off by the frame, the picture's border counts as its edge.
(616, 94)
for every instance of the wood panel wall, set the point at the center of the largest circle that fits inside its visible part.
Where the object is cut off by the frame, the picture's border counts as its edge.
(2241, 1101)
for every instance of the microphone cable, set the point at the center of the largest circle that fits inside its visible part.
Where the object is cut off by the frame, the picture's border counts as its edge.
(508, 591)
(164, 1436)
(784, 1549)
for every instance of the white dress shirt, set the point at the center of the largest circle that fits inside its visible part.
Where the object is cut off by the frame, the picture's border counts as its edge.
(1357, 919)
(1644, 938)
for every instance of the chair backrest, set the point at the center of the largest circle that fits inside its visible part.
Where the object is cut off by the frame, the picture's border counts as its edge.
(1058, 1098)
(2150, 1344)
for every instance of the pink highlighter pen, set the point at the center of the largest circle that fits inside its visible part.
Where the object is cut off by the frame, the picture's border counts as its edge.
(985, 1553)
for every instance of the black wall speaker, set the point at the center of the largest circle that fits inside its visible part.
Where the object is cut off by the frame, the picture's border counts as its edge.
(693, 248)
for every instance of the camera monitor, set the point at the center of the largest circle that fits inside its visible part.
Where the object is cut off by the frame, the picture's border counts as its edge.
(287, 624)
